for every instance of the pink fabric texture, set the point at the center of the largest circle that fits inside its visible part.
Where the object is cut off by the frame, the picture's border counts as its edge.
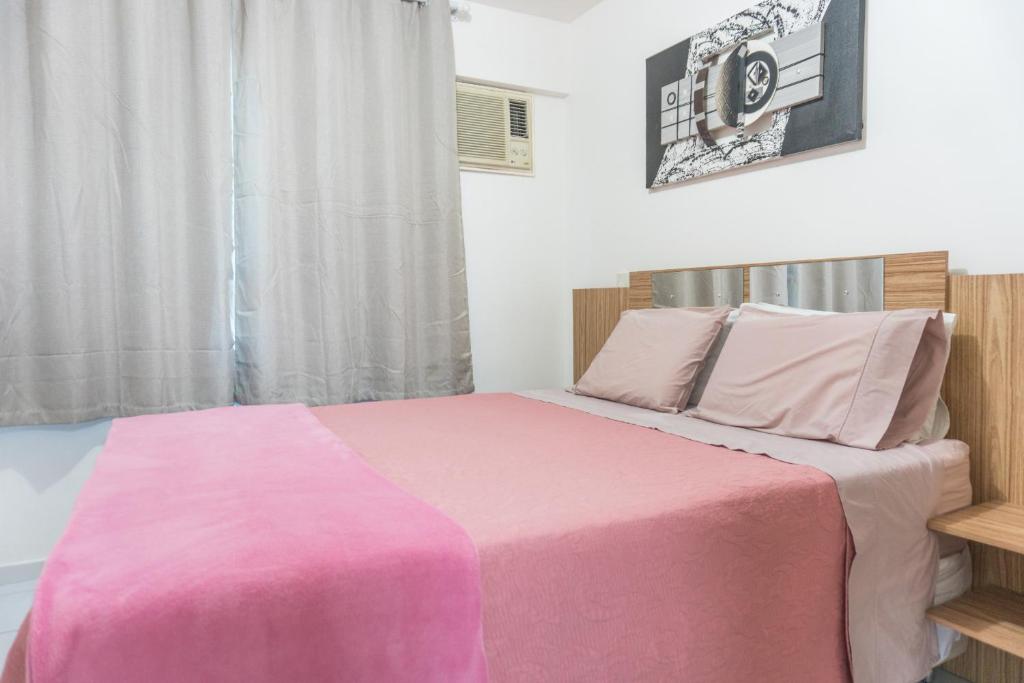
(611, 552)
(249, 544)
(652, 357)
(867, 380)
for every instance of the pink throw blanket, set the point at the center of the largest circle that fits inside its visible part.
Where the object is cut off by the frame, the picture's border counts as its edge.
(250, 544)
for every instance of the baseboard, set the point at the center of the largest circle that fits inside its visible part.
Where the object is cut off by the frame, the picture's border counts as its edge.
(20, 572)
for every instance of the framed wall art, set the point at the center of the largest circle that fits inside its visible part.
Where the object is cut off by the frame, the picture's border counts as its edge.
(781, 78)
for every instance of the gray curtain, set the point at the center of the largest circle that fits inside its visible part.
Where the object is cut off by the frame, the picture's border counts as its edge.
(115, 186)
(350, 269)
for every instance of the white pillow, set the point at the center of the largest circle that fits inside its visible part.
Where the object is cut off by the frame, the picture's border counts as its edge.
(937, 424)
(948, 319)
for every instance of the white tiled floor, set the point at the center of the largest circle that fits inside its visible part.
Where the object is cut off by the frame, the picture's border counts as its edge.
(15, 601)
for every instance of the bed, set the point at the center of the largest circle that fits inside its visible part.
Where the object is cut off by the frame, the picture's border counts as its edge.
(613, 543)
(736, 564)
(611, 549)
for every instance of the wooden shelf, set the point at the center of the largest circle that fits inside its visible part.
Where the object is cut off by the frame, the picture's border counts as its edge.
(994, 616)
(1000, 525)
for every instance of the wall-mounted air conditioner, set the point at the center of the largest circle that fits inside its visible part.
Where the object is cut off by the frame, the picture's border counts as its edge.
(495, 129)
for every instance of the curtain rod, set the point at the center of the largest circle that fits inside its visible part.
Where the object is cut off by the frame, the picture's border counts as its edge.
(460, 9)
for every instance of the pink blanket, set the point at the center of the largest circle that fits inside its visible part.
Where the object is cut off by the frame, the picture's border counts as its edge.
(612, 553)
(249, 544)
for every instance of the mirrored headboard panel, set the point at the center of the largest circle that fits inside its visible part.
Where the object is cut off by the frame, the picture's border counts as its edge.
(847, 286)
(916, 280)
(697, 288)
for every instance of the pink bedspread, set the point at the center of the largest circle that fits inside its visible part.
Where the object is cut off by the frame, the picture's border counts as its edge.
(610, 552)
(249, 544)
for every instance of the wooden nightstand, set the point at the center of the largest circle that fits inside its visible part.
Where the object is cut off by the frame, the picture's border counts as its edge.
(994, 616)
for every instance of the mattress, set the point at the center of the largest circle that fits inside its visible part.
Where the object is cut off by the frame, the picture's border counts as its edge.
(953, 577)
(956, 489)
(956, 493)
(952, 580)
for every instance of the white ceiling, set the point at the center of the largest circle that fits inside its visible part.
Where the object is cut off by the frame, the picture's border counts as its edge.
(561, 10)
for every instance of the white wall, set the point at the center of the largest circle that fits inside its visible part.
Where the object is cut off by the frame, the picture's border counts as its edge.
(41, 472)
(513, 49)
(932, 175)
(519, 295)
(515, 227)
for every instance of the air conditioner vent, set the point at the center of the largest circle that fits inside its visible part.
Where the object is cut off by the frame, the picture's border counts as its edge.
(494, 129)
(481, 126)
(518, 118)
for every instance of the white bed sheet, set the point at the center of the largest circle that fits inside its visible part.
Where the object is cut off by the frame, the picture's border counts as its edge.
(887, 496)
(953, 579)
(956, 491)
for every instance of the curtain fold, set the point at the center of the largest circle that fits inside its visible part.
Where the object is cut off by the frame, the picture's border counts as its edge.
(115, 208)
(116, 172)
(350, 267)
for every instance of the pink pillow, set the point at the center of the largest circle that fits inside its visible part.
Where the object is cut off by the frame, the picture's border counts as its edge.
(867, 380)
(652, 357)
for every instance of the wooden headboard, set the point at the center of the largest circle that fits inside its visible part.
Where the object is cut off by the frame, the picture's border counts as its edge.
(911, 281)
(984, 389)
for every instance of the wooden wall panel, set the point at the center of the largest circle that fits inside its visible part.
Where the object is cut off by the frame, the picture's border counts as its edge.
(641, 290)
(985, 392)
(916, 280)
(594, 315)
